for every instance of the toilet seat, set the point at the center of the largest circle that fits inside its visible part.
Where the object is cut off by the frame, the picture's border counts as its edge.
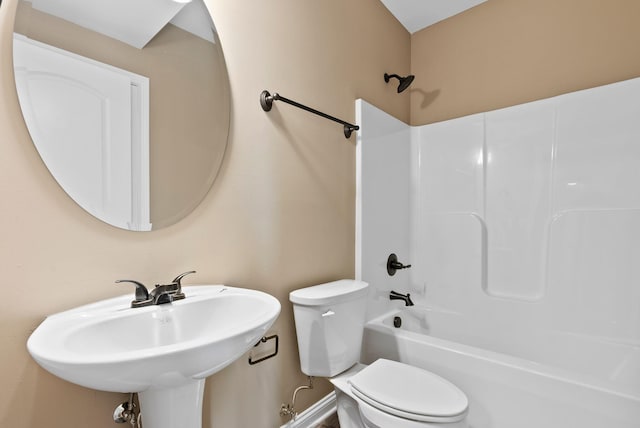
(408, 392)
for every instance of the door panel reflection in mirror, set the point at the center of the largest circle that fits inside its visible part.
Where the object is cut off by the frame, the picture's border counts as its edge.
(82, 119)
(188, 109)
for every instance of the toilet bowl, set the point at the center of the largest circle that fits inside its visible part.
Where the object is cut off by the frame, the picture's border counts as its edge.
(386, 394)
(374, 418)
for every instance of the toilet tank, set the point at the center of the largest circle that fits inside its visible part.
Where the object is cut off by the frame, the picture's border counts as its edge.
(329, 325)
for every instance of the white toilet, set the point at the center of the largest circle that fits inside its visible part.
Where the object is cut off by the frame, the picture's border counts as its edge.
(386, 394)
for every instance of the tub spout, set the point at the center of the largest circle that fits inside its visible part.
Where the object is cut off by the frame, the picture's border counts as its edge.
(397, 296)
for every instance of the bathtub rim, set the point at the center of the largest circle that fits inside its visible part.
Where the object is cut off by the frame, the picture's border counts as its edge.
(547, 371)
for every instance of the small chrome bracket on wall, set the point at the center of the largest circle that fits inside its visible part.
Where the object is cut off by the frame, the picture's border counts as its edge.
(266, 101)
(265, 339)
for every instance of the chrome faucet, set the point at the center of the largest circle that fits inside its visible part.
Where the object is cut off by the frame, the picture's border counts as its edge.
(161, 293)
(397, 296)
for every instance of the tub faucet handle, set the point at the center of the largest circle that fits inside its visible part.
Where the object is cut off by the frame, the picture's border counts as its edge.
(393, 265)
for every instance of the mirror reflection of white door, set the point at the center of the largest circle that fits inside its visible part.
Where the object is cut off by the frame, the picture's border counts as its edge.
(89, 122)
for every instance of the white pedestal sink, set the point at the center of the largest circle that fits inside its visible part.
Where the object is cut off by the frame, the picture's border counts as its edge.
(162, 352)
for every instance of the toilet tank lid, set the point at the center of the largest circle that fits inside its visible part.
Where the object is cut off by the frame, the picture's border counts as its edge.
(329, 293)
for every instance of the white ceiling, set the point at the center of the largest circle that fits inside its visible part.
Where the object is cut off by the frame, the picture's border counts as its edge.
(134, 22)
(418, 14)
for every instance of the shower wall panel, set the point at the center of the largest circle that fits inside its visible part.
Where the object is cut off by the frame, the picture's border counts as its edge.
(447, 221)
(382, 207)
(518, 161)
(529, 218)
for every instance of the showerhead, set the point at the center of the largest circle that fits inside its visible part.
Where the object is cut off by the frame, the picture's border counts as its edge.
(404, 81)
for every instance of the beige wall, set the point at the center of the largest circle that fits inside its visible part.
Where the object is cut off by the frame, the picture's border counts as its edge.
(280, 215)
(507, 52)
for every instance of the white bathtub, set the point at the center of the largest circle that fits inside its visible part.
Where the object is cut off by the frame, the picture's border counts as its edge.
(551, 381)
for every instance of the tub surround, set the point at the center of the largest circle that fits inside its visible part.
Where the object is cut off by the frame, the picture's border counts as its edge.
(524, 223)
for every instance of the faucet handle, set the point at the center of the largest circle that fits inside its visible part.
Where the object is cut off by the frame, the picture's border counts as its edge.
(178, 294)
(393, 265)
(178, 278)
(142, 293)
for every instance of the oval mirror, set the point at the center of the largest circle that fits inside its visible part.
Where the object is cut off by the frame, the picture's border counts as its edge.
(126, 101)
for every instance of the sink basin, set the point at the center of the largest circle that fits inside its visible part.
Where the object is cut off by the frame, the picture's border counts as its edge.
(159, 351)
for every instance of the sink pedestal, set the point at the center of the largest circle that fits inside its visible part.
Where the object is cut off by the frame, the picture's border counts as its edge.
(173, 407)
